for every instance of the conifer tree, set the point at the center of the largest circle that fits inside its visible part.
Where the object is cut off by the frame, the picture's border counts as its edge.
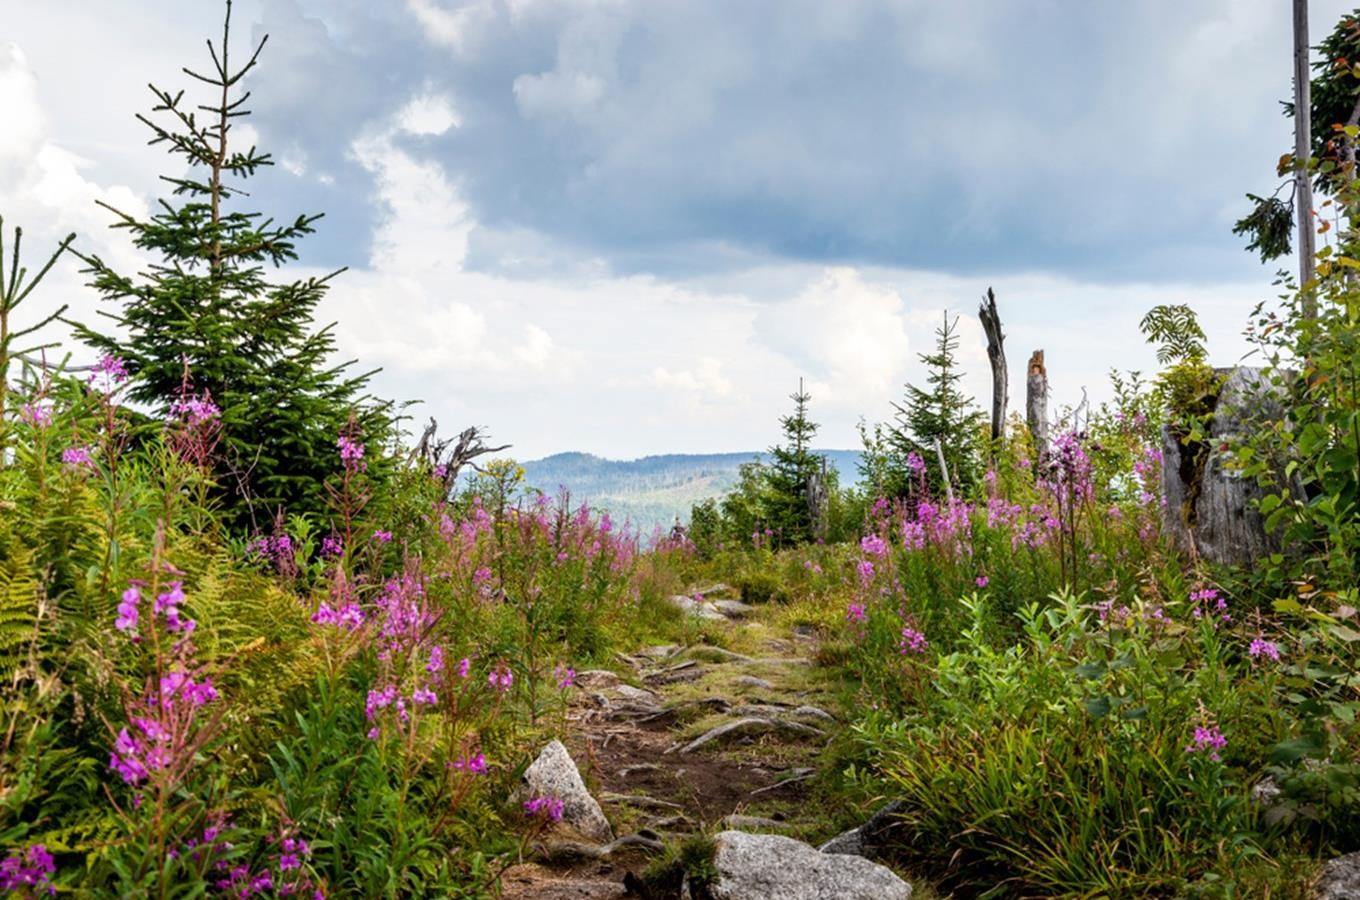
(941, 412)
(791, 466)
(206, 304)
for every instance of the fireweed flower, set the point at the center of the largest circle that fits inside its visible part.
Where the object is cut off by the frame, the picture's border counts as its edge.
(436, 663)
(500, 679)
(549, 808)
(29, 870)
(39, 415)
(1261, 648)
(982, 581)
(1207, 737)
(474, 765)
(424, 696)
(346, 615)
(1208, 602)
(128, 613)
(566, 676)
(873, 545)
(855, 613)
(107, 373)
(464, 667)
(913, 642)
(77, 457)
(382, 537)
(351, 454)
(915, 463)
(331, 546)
(866, 571)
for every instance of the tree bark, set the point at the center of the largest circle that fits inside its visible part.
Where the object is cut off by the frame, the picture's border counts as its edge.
(996, 355)
(1303, 185)
(1036, 403)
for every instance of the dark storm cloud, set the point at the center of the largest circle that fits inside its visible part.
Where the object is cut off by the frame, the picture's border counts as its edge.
(1111, 141)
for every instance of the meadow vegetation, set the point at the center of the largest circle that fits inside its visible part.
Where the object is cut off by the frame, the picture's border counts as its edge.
(253, 643)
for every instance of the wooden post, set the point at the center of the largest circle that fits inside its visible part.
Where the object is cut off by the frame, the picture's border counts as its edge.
(1036, 403)
(996, 355)
(1303, 136)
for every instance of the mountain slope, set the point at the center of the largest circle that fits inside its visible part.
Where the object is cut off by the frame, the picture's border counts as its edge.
(655, 490)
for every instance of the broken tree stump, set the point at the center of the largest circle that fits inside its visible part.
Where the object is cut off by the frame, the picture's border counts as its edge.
(1209, 508)
(1036, 403)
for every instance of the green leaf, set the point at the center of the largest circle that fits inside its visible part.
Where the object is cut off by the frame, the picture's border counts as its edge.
(1291, 751)
(1098, 707)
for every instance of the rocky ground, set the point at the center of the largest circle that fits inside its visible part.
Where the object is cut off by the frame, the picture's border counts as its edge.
(684, 740)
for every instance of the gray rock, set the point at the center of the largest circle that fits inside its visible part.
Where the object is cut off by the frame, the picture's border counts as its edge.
(597, 678)
(752, 681)
(848, 843)
(701, 608)
(870, 839)
(636, 694)
(765, 866)
(733, 609)
(554, 774)
(1339, 879)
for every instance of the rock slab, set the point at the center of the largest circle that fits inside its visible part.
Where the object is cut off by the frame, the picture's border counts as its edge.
(1339, 879)
(554, 774)
(764, 866)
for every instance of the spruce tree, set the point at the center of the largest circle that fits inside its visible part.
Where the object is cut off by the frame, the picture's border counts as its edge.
(941, 412)
(207, 305)
(791, 466)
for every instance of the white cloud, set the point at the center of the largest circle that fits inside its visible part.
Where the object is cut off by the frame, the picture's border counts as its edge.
(703, 383)
(455, 28)
(427, 114)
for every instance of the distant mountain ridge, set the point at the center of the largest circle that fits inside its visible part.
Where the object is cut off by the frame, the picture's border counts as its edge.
(655, 490)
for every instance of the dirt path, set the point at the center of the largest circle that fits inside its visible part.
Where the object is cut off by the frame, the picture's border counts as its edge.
(683, 740)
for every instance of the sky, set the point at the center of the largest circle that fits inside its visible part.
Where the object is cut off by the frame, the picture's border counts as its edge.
(630, 227)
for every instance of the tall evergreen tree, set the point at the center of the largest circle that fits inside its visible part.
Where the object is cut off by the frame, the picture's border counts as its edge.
(207, 305)
(939, 413)
(792, 465)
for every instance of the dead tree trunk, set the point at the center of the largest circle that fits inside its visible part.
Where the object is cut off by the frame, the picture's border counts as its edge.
(1303, 137)
(1210, 508)
(817, 500)
(1036, 403)
(996, 355)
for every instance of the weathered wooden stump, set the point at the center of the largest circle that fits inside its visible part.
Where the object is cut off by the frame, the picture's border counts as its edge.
(1210, 509)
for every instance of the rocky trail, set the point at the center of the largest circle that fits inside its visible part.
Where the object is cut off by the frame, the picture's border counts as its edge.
(685, 740)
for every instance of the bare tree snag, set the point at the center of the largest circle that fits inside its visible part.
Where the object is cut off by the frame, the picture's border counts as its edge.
(461, 451)
(1036, 403)
(996, 355)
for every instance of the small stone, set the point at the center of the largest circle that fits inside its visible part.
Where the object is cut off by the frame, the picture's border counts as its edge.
(733, 609)
(763, 866)
(751, 681)
(554, 774)
(597, 678)
(636, 694)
